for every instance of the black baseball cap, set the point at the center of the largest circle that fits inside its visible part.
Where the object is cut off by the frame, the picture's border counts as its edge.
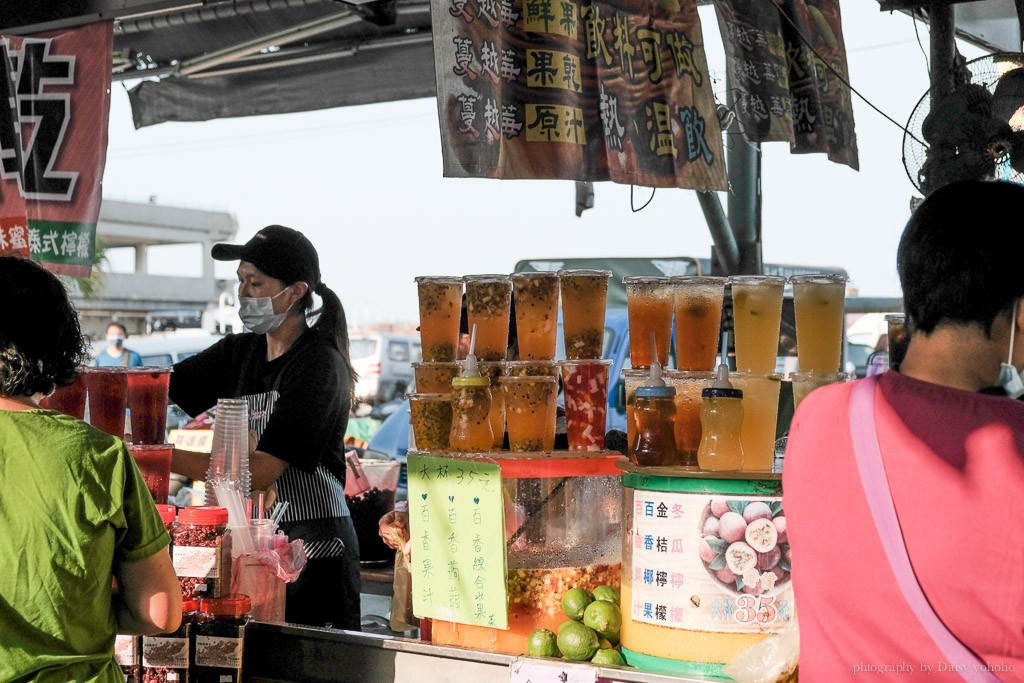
(282, 253)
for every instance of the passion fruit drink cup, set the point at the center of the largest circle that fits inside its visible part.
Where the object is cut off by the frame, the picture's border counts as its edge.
(536, 299)
(440, 301)
(434, 378)
(806, 382)
(688, 430)
(649, 306)
(584, 300)
(431, 418)
(493, 371)
(530, 412)
(533, 368)
(698, 310)
(760, 415)
(488, 306)
(757, 315)
(585, 387)
(818, 304)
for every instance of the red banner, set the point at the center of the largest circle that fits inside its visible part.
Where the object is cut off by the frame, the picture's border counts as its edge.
(54, 108)
(576, 90)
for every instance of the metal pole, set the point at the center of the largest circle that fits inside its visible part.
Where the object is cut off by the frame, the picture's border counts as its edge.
(721, 232)
(743, 161)
(942, 46)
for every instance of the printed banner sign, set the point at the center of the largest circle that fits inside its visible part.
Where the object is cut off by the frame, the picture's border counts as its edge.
(54, 109)
(457, 528)
(738, 580)
(578, 90)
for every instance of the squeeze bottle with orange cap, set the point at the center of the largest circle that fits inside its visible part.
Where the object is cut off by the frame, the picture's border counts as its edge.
(471, 407)
(721, 419)
(654, 412)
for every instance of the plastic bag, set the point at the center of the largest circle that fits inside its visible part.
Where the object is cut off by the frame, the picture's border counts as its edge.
(402, 618)
(773, 660)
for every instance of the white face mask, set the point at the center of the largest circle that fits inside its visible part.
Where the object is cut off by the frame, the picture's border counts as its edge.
(1009, 376)
(258, 315)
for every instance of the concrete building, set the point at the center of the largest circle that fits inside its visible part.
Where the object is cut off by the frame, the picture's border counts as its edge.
(133, 298)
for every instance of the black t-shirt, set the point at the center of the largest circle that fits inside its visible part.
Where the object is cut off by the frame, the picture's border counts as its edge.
(307, 426)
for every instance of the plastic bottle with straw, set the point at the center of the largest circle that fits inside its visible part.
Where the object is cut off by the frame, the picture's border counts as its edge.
(721, 421)
(655, 413)
(471, 407)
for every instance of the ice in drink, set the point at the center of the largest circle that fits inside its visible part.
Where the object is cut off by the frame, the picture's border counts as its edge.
(818, 303)
(147, 401)
(530, 412)
(536, 304)
(431, 418)
(488, 306)
(154, 462)
(533, 368)
(434, 378)
(698, 311)
(760, 417)
(585, 387)
(69, 399)
(440, 300)
(584, 299)
(688, 385)
(806, 382)
(757, 314)
(649, 306)
(108, 398)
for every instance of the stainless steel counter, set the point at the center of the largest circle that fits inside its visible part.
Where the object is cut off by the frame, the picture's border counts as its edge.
(281, 653)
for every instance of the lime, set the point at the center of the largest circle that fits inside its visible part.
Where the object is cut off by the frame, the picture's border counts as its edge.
(577, 642)
(608, 657)
(542, 643)
(606, 593)
(574, 602)
(603, 617)
(606, 644)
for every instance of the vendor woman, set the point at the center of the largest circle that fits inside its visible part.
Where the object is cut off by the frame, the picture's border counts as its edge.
(304, 370)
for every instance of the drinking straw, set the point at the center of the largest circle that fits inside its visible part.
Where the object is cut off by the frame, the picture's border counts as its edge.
(230, 497)
(279, 511)
(259, 505)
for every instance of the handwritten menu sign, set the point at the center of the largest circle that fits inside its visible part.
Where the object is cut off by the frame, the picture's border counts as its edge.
(458, 540)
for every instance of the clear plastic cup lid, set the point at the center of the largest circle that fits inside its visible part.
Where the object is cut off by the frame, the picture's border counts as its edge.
(544, 379)
(584, 272)
(535, 275)
(896, 318)
(818, 279)
(699, 280)
(645, 280)
(757, 280)
(485, 278)
(439, 279)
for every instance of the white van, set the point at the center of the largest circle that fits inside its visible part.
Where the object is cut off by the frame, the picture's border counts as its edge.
(166, 348)
(383, 361)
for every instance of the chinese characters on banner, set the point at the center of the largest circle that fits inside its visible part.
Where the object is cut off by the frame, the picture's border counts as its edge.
(54, 107)
(457, 530)
(727, 586)
(784, 90)
(577, 90)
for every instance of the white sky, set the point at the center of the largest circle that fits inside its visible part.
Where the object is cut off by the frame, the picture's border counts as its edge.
(364, 184)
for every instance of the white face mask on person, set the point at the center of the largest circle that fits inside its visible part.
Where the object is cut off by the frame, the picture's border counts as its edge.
(1009, 376)
(258, 315)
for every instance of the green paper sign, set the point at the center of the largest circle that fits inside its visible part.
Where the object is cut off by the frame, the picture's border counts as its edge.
(458, 541)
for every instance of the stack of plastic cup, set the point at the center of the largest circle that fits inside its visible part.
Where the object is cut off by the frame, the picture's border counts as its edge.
(584, 299)
(229, 456)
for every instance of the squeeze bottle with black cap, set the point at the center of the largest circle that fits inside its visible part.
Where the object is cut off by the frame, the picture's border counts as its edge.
(721, 418)
(654, 412)
(471, 407)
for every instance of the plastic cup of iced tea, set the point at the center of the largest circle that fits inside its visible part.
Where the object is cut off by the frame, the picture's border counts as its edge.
(154, 462)
(147, 401)
(698, 311)
(536, 299)
(585, 388)
(649, 306)
(584, 300)
(431, 418)
(108, 398)
(69, 399)
(434, 378)
(688, 431)
(760, 417)
(806, 382)
(899, 338)
(818, 303)
(489, 306)
(757, 315)
(440, 300)
(530, 410)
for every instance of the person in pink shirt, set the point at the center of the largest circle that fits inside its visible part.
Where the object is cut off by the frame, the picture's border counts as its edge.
(952, 445)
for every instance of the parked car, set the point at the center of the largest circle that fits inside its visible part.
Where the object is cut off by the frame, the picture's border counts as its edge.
(383, 361)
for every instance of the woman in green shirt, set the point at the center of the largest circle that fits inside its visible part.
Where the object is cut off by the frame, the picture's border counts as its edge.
(75, 511)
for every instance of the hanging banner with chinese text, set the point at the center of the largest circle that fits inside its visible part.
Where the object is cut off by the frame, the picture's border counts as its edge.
(54, 108)
(758, 74)
(822, 106)
(457, 529)
(576, 90)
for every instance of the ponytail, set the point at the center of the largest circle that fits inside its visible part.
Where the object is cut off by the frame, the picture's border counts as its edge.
(333, 326)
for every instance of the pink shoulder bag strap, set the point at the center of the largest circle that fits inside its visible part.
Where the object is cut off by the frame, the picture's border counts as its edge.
(876, 488)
